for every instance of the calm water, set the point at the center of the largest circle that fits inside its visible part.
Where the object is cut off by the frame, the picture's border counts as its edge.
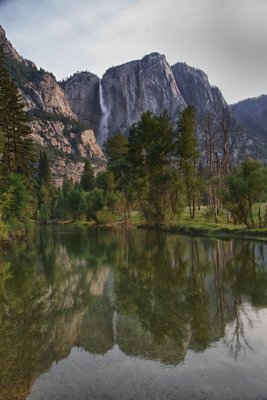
(137, 315)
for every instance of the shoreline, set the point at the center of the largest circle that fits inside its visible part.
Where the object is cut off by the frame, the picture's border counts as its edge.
(210, 231)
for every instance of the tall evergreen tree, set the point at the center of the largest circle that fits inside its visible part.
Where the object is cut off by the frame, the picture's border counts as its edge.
(88, 179)
(44, 173)
(45, 191)
(17, 152)
(188, 154)
(152, 170)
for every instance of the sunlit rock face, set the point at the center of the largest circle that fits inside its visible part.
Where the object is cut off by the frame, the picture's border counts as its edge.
(88, 146)
(138, 86)
(46, 95)
(54, 122)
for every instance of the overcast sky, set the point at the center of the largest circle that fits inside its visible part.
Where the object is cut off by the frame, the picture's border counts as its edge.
(225, 38)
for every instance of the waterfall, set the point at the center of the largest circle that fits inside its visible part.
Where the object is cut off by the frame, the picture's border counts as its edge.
(103, 126)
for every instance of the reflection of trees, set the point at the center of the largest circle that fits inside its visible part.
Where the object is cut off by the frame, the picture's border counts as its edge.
(238, 339)
(176, 288)
(168, 293)
(46, 291)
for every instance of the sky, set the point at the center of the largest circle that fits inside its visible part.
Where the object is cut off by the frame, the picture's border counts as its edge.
(225, 38)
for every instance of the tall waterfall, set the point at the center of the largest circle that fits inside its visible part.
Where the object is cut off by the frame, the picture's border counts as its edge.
(103, 127)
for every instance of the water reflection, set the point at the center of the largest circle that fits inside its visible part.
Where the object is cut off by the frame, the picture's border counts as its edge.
(153, 295)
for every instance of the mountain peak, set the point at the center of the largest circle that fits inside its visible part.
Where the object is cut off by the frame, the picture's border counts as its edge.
(154, 55)
(11, 52)
(2, 33)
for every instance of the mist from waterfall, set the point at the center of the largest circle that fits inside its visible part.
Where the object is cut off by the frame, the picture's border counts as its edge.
(103, 127)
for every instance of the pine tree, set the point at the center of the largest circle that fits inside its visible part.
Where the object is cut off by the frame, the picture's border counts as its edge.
(46, 193)
(88, 179)
(17, 149)
(188, 154)
(44, 172)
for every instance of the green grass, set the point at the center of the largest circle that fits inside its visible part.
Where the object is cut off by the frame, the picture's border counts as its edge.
(204, 225)
(136, 218)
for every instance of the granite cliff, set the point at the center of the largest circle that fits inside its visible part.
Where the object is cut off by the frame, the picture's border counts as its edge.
(138, 86)
(253, 114)
(196, 89)
(128, 90)
(54, 123)
(82, 92)
(65, 115)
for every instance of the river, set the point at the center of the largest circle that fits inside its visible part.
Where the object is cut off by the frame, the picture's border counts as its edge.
(132, 315)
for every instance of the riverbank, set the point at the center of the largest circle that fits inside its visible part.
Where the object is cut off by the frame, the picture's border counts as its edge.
(210, 230)
(203, 229)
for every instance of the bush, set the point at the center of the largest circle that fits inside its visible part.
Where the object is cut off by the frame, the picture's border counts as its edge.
(105, 217)
(3, 231)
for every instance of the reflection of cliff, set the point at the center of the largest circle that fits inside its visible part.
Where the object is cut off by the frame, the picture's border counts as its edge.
(40, 322)
(96, 334)
(165, 294)
(134, 340)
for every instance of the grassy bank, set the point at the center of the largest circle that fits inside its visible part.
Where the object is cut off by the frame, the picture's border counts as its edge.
(203, 225)
(210, 230)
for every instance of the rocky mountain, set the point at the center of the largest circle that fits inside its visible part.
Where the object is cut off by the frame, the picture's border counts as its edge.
(54, 123)
(11, 52)
(82, 92)
(118, 100)
(66, 115)
(196, 89)
(138, 86)
(253, 114)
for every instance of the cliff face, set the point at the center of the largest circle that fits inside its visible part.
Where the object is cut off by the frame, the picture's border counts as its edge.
(196, 89)
(54, 123)
(45, 95)
(128, 90)
(82, 91)
(253, 114)
(10, 52)
(63, 113)
(139, 86)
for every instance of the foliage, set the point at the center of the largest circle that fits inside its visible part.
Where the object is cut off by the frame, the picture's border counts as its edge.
(88, 179)
(3, 231)
(244, 188)
(17, 152)
(14, 199)
(188, 155)
(76, 203)
(95, 203)
(151, 168)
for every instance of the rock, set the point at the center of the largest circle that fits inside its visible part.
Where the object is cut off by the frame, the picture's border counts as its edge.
(253, 114)
(88, 146)
(54, 123)
(73, 170)
(9, 50)
(82, 91)
(196, 90)
(47, 96)
(138, 86)
(64, 115)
